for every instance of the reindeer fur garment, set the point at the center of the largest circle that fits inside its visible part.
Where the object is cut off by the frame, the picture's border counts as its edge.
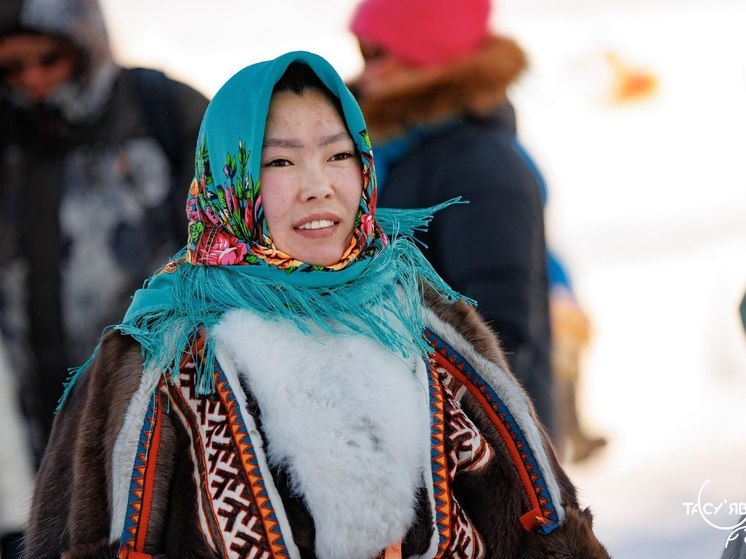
(338, 441)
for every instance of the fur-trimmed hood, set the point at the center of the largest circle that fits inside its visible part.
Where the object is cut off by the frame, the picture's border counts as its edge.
(471, 86)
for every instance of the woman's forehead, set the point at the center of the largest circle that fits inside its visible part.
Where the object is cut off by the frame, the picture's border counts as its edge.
(310, 111)
(311, 97)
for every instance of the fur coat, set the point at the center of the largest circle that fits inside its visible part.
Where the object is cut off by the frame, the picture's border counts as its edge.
(445, 456)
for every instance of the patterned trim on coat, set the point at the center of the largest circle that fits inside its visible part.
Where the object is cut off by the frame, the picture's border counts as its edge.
(239, 504)
(140, 499)
(441, 481)
(239, 519)
(453, 450)
(543, 515)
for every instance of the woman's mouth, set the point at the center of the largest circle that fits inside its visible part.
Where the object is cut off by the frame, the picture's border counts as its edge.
(316, 224)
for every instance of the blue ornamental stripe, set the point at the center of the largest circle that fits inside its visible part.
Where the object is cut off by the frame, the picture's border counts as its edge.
(503, 412)
(137, 483)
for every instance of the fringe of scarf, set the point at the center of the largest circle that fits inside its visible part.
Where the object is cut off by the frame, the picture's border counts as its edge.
(399, 222)
(390, 285)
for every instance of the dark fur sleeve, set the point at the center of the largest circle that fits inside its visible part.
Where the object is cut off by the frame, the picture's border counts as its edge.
(492, 497)
(70, 514)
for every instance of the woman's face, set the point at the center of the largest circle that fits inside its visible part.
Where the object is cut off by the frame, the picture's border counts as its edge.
(311, 178)
(36, 64)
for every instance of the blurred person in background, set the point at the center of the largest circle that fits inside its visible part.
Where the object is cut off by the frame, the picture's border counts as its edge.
(90, 156)
(571, 331)
(433, 89)
(736, 548)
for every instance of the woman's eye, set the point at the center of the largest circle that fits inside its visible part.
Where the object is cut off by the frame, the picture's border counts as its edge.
(341, 156)
(277, 163)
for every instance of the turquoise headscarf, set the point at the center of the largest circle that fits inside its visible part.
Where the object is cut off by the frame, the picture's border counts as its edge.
(229, 261)
(227, 226)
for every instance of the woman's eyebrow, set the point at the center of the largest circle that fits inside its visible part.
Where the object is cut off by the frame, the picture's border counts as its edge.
(281, 143)
(334, 138)
(294, 143)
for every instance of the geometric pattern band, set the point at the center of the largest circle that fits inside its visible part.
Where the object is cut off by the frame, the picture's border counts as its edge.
(542, 516)
(140, 497)
(235, 490)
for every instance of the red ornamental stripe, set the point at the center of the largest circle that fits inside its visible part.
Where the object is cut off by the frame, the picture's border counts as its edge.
(441, 489)
(534, 517)
(252, 471)
(149, 483)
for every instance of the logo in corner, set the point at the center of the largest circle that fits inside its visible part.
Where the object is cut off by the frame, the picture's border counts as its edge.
(725, 515)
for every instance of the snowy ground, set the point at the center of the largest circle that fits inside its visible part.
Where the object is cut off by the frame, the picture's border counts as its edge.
(648, 207)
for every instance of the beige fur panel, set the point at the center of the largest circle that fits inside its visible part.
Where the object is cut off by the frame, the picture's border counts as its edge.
(125, 449)
(472, 86)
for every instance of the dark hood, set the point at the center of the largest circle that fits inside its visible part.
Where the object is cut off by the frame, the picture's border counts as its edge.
(81, 23)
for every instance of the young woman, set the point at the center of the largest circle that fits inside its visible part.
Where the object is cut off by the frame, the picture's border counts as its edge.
(296, 384)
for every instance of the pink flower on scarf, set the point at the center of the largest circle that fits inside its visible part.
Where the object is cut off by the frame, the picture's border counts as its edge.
(211, 216)
(192, 210)
(366, 224)
(225, 250)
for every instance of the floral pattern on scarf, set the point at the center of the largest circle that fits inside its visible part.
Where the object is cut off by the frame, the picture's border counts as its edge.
(227, 226)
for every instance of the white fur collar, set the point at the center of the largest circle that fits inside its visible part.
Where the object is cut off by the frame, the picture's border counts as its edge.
(347, 418)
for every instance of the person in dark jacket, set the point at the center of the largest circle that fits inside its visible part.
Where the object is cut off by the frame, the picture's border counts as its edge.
(433, 90)
(85, 145)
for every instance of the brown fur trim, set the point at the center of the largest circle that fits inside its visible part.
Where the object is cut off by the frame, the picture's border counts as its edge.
(99, 550)
(70, 511)
(575, 538)
(473, 86)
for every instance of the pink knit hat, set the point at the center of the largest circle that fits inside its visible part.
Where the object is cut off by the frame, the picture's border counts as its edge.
(423, 32)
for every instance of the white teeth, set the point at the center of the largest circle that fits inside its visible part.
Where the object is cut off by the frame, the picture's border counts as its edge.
(320, 224)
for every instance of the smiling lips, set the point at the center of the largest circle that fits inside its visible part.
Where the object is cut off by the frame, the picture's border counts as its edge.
(318, 226)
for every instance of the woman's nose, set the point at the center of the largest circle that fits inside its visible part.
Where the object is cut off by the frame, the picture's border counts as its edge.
(316, 184)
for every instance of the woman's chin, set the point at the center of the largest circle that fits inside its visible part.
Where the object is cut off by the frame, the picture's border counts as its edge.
(322, 260)
(318, 253)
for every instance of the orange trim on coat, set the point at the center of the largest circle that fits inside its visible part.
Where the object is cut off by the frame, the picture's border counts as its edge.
(148, 487)
(393, 551)
(534, 517)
